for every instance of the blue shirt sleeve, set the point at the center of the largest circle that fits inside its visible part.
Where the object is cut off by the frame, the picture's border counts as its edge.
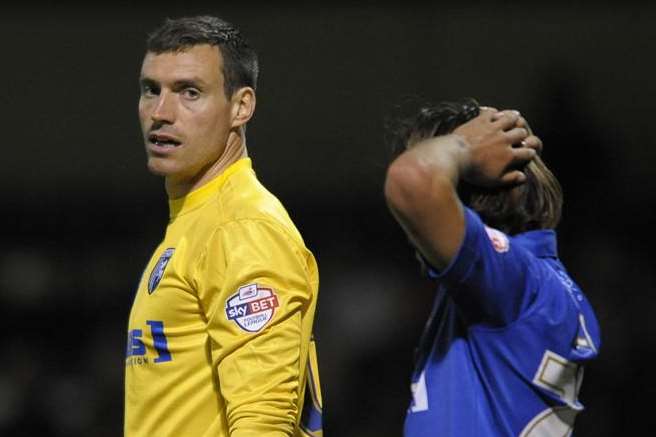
(491, 279)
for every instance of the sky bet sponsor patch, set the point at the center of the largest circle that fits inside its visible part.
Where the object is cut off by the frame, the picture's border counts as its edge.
(252, 307)
(499, 240)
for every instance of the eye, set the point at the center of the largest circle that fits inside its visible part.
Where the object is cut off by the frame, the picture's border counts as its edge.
(148, 90)
(191, 93)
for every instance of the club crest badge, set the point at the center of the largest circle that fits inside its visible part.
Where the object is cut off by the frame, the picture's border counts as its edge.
(252, 307)
(499, 240)
(158, 271)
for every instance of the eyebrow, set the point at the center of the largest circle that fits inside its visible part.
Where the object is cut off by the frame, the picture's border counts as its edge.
(180, 83)
(192, 82)
(147, 81)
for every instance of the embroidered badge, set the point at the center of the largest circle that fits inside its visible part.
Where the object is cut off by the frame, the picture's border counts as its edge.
(158, 271)
(251, 307)
(499, 240)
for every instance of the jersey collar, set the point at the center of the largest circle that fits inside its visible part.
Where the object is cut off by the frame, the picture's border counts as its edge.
(198, 197)
(542, 243)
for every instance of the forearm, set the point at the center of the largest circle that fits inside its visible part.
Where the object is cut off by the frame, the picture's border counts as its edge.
(420, 189)
(427, 170)
(261, 380)
(445, 159)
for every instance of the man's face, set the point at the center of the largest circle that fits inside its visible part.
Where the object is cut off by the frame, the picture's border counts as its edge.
(185, 115)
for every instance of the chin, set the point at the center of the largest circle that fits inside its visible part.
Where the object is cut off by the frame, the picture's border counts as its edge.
(160, 168)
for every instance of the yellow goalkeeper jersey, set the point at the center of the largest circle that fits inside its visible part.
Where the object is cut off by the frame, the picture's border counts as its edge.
(220, 332)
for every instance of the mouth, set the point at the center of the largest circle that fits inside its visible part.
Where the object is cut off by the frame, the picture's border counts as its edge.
(163, 140)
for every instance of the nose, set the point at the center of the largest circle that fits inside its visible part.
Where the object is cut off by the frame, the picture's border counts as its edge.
(165, 110)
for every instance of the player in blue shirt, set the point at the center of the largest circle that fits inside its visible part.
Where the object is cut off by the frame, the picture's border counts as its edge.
(504, 348)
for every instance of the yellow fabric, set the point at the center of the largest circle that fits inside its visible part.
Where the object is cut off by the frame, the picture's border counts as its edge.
(191, 370)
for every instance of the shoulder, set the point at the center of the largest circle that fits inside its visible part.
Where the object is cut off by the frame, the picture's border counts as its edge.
(244, 199)
(484, 248)
(244, 207)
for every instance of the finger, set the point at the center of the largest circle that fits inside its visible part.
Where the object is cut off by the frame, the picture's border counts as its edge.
(516, 135)
(506, 119)
(488, 112)
(515, 177)
(522, 156)
(523, 123)
(532, 142)
(505, 112)
(488, 109)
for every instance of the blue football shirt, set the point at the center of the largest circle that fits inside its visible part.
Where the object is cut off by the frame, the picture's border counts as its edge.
(503, 351)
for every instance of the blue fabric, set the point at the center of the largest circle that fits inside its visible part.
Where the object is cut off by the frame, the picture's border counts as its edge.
(503, 349)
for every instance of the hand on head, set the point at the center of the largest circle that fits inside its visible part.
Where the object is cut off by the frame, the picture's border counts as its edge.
(499, 144)
(532, 141)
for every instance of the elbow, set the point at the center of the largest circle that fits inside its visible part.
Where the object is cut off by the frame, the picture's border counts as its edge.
(410, 184)
(400, 181)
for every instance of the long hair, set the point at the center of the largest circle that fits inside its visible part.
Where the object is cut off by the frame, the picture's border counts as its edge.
(536, 204)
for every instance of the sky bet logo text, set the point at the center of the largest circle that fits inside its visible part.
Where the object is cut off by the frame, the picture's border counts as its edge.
(246, 309)
(137, 350)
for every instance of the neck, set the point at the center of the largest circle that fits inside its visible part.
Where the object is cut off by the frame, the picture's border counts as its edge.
(234, 151)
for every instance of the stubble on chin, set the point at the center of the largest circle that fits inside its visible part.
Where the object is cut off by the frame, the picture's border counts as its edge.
(156, 167)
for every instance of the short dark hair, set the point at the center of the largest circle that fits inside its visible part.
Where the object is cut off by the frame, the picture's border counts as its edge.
(536, 205)
(240, 66)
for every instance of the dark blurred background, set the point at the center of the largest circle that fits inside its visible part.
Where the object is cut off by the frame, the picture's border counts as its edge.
(80, 213)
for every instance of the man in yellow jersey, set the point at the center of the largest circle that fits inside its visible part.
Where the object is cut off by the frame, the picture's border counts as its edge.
(219, 337)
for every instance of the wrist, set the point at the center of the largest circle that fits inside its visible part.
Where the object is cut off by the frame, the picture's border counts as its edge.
(459, 156)
(443, 159)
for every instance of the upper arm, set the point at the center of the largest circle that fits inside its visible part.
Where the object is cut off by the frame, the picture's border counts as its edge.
(255, 323)
(423, 199)
(491, 279)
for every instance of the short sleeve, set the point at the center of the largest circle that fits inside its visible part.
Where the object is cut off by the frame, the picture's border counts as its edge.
(490, 278)
(254, 287)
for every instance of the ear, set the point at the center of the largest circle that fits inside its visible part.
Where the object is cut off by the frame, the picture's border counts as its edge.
(243, 106)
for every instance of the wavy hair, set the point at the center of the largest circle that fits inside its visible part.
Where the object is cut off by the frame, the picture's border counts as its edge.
(536, 204)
